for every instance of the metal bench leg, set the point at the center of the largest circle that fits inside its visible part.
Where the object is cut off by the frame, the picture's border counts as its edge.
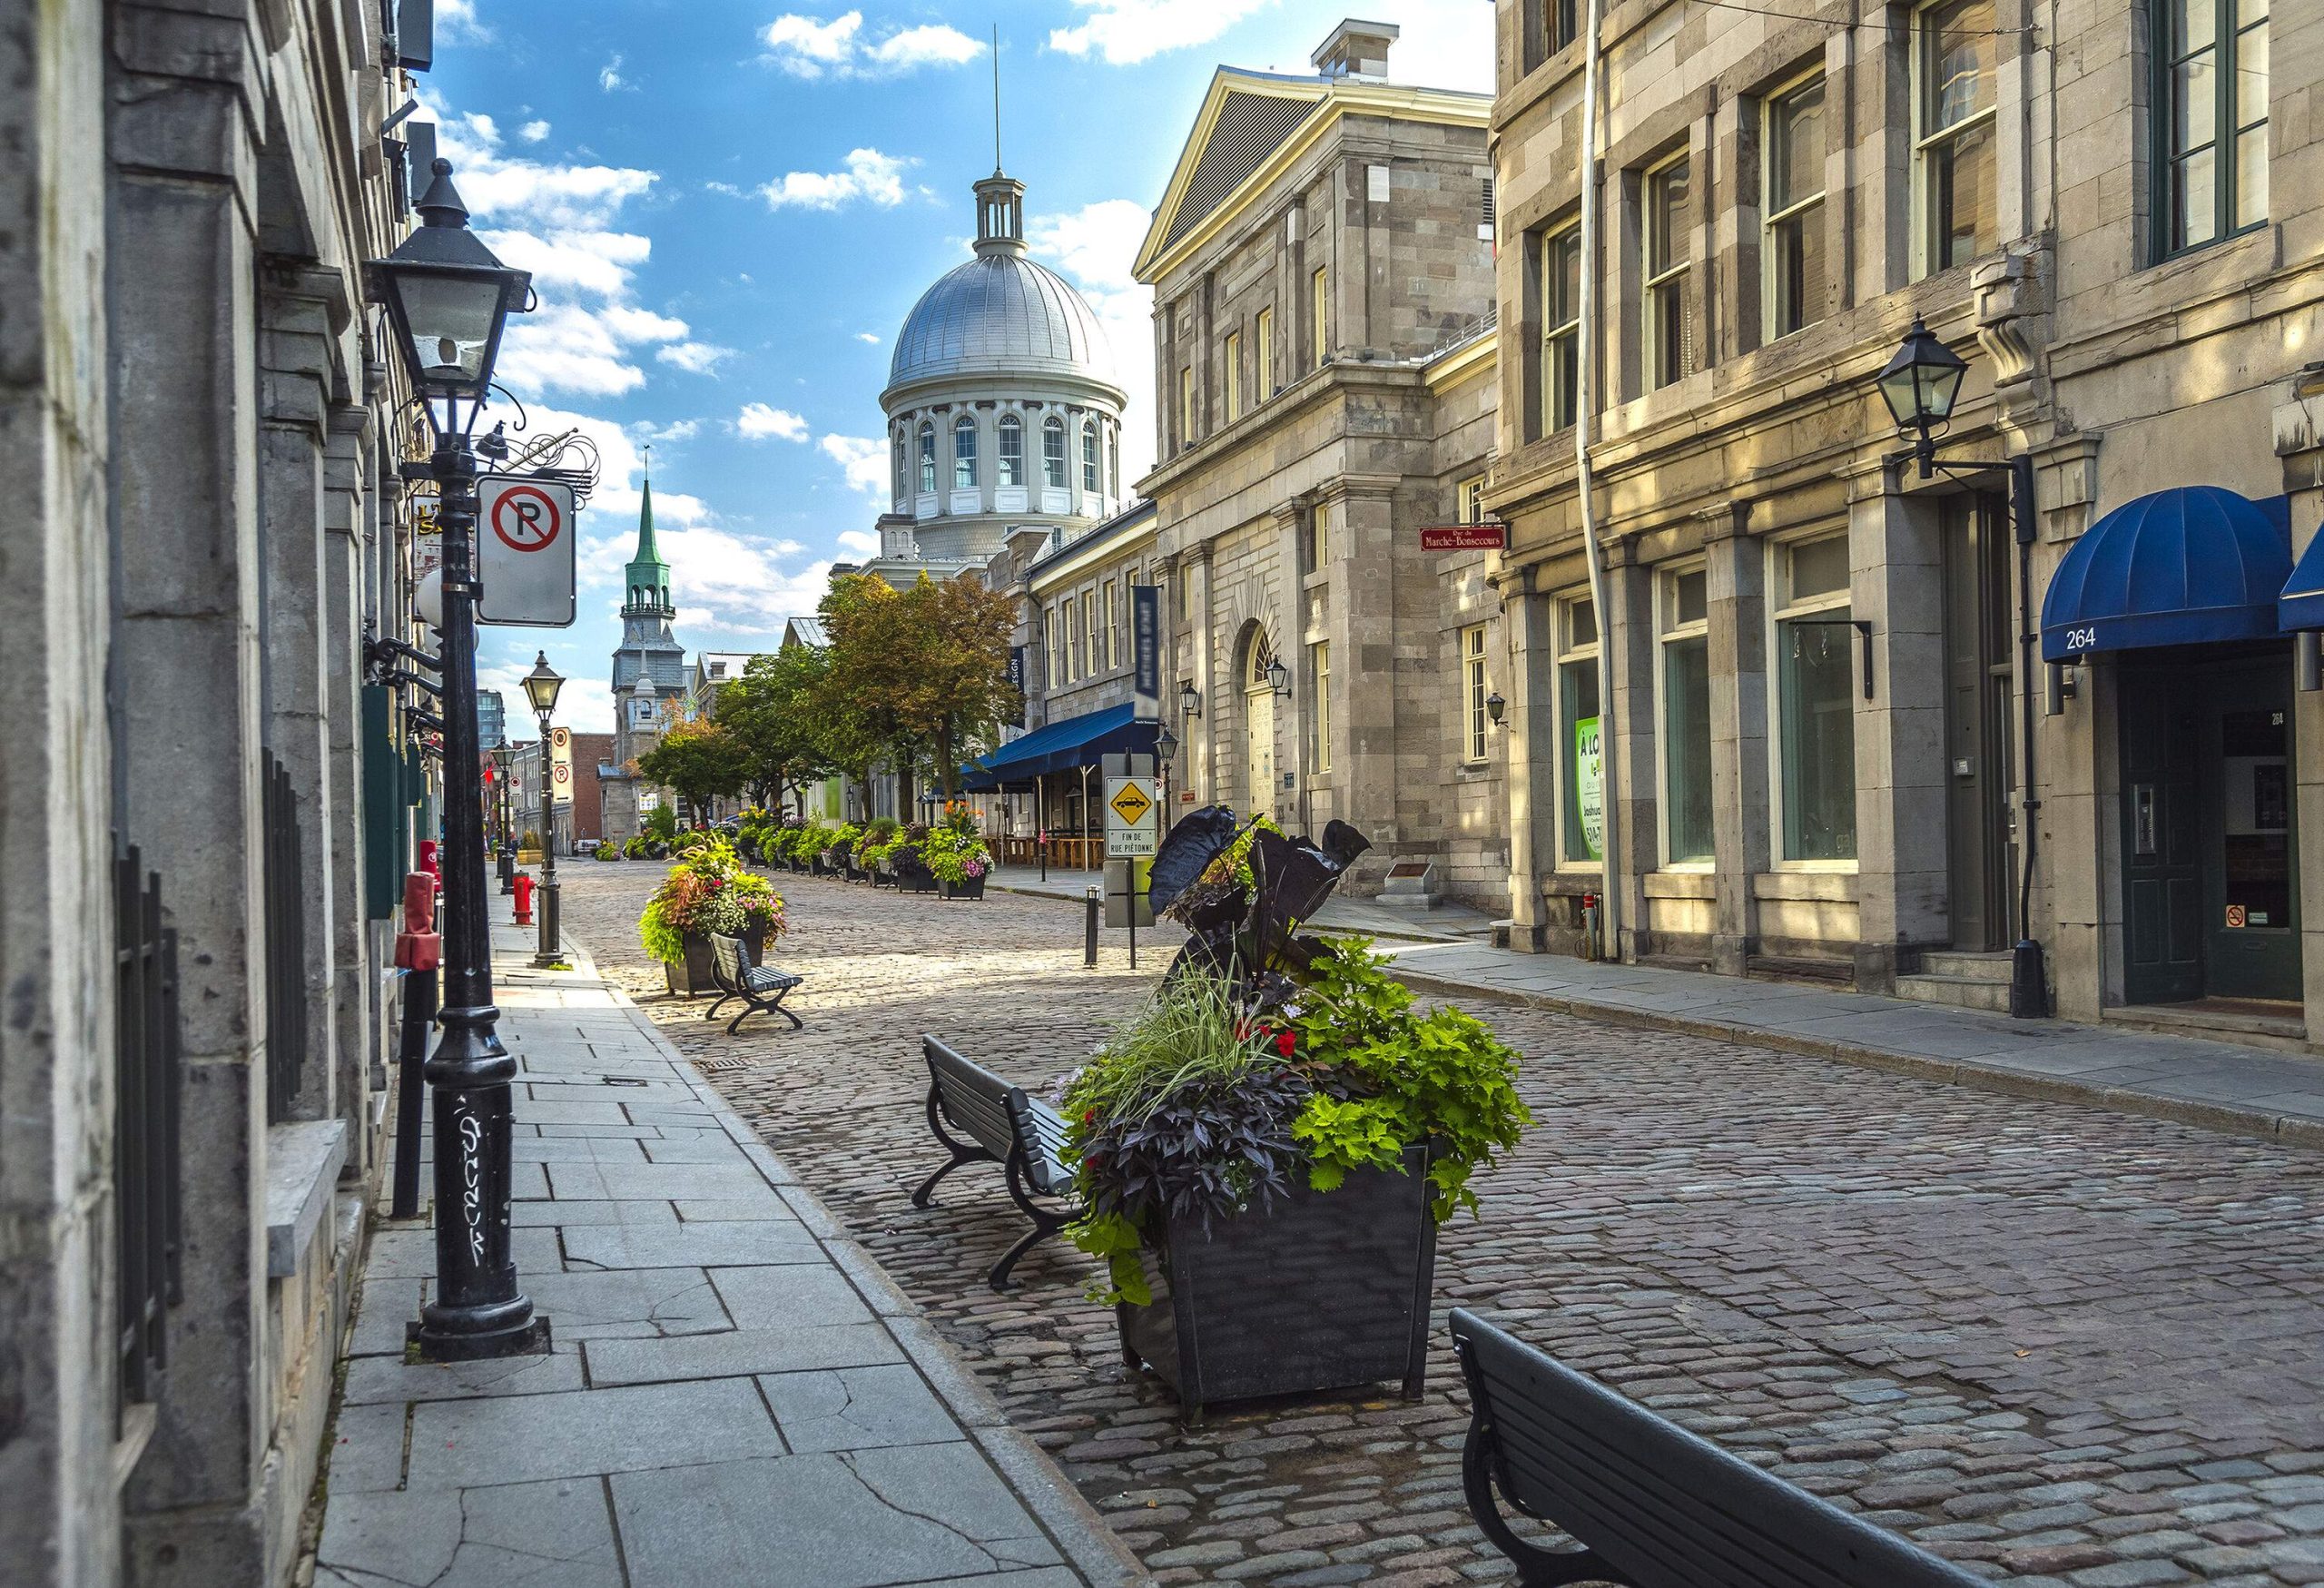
(1045, 1224)
(1536, 1567)
(776, 1008)
(963, 1153)
(722, 1000)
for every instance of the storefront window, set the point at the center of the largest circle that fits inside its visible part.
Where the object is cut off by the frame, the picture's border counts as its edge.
(1816, 689)
(2256, 784)
(1686, 718)
(1583, 785)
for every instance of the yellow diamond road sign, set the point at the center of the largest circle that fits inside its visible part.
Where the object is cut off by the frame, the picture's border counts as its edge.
(1131, 804)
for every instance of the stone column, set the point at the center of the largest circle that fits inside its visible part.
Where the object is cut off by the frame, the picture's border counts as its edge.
(183, 336)
(294, 624)
(346, 516)
(1629, 635)
(1735, 584)
(60, 1522)
(1897, 556)
(1202, 748)
(1364, 611)
(1532, 720)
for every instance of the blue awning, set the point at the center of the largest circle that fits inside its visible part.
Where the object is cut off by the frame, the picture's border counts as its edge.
(2301, 606)
(2197, 565)
(1061, 746)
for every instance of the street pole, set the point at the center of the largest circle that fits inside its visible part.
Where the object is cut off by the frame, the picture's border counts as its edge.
(551, 946)
(477, 1310)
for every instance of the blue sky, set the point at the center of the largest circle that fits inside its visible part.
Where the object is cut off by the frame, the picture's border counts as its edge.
(730, 206)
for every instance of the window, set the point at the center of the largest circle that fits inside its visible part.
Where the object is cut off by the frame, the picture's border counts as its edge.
(1581, 747)
(1056, 648)
(1814, 678)
(902, 470)
(1053, 452)
(1089, 629)
(1686, 716)
(928, 459)
(1320, 659)
(1469, 500)
(1234, 359)
(964, 453)
(1076, 638)
(1113, 646)
(1793, 259)
(1952, 167)
(2211, 120)
(1473, 691)
(1013, 449)
(1092, 475)
(1319, 536)
(1113, 463)
(1187, 406)
(1264, 334)
(1666, 336)
(1561, 329)
(1319, 306)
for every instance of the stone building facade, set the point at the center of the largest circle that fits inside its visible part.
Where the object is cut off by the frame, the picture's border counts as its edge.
(207, 805)
(1322, 268)
(1819, 745)
(649, 684)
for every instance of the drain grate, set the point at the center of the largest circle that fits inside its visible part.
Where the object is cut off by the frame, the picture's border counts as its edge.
(721, 1066)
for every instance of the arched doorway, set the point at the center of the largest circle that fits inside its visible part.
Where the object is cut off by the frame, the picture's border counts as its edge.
(1258, 727)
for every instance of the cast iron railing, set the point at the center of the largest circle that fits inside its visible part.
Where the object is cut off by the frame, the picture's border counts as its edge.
(286, 944)
(148, 1062)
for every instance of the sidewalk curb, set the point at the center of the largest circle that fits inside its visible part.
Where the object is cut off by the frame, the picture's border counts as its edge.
(1089, 1547)
(1965, 1072)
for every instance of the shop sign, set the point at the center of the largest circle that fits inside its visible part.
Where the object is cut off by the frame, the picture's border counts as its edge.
(1464, 538)
(1590, 785)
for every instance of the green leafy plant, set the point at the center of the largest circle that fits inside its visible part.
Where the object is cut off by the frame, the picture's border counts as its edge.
(605, 850)
(662, 825)
(708, 890)
(955, 856)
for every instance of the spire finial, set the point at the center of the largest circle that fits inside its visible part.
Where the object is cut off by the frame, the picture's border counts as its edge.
(996, 99)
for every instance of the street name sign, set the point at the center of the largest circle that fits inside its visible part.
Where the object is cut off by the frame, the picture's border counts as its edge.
(1464, 538)
(526, 536)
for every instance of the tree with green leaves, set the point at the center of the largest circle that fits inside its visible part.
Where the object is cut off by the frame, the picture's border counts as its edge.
(697, 761)
(924, 670)
(772, 714)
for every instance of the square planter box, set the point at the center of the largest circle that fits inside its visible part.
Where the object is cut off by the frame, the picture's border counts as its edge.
(1319, 1292)
(696, 975)
(971, 889)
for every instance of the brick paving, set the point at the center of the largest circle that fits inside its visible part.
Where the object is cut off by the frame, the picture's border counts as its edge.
(2062, 1346)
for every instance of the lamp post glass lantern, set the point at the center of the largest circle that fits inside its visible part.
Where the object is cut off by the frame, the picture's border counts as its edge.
(1496, 707)
(1189, 700)
(447, 299)
(1920, 386)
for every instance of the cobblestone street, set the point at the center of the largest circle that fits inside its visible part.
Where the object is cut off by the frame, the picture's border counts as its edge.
(2061, 1345)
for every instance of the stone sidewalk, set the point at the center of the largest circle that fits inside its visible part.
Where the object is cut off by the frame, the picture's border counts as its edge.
(737, 1394)
(2219, 1085)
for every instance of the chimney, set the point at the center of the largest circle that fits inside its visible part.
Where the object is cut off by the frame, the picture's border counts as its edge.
(1357, 50)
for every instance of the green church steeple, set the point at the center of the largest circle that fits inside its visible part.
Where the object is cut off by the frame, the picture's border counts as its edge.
(648, 577)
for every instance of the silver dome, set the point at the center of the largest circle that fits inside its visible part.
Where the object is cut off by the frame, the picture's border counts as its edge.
(1002, 314)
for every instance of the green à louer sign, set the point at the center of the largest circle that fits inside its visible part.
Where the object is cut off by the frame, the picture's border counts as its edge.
(1590, 785)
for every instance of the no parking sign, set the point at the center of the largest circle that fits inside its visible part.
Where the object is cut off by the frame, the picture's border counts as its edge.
(526, 532)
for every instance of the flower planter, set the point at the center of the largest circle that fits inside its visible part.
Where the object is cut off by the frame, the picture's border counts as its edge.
(912, 875)
(1319, 1292)
(971, 889)
(696, 976)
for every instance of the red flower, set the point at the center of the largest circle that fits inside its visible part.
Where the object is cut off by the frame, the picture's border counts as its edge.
(1283, 1043)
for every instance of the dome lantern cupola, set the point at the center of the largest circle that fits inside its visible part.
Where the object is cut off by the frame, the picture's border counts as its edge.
(1001, 214)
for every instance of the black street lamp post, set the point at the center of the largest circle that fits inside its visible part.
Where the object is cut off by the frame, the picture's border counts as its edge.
(1166, 751)
(1920, 386)
(447, 299)
(504, 759)
(541, 685)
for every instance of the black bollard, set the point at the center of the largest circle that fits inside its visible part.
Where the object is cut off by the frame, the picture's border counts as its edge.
(1089, 933)
(420, 997)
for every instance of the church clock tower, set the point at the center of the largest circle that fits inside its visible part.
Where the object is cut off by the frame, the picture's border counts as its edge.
(648, 678)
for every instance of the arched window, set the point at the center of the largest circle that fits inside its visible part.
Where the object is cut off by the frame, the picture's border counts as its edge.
(1013, 449)
(1089, 473)
(964, 453)
(902, 483)
(928, 458)
(1114, 460)
(1053, 452)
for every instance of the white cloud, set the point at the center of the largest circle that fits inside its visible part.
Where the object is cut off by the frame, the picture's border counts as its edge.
(561, 222)
(455, 23)
(757, 421)
(533, 131)
(1446, 44)
(807, 47)
(609, 77)
(694, 358)
(675, 431)
(871, 176)
(1096, 246)
(859, 543)
(864, 461)
(1122, 33)
(871, 337)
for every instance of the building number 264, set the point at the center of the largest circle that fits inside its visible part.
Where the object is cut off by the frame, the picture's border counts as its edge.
(2080, 639)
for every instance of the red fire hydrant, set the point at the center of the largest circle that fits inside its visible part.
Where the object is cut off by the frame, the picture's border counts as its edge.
(524, 899)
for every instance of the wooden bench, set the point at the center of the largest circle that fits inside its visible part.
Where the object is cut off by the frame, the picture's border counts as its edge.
(761, 989)
(1003, 1125)
(1649, 1505)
